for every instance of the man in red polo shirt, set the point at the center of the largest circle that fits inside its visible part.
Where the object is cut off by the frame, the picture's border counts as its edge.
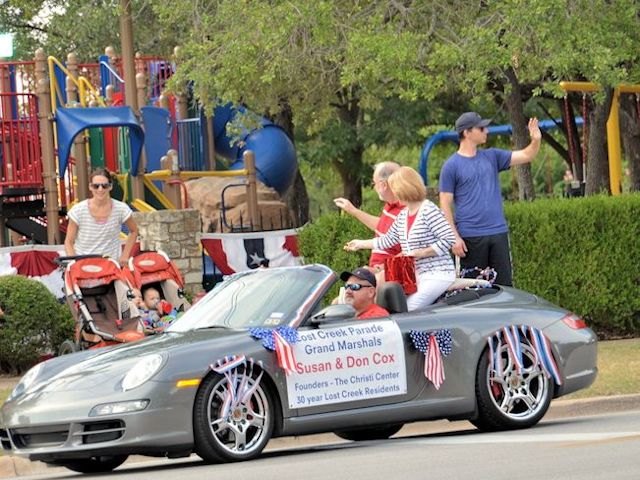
(360, 293)
(379, 225)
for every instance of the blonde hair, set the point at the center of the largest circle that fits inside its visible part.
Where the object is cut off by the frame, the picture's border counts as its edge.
(407, 185)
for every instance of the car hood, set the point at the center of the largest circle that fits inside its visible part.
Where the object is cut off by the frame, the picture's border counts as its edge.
(107, 367)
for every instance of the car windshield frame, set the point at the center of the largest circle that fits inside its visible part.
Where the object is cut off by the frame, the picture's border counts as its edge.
(270, 298)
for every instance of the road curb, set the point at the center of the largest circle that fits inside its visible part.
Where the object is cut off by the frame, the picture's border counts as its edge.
(11, 466)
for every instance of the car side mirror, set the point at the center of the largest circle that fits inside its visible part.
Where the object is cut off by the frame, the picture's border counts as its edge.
(333, 313)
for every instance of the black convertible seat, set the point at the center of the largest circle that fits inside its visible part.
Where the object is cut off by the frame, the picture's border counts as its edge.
(391, 297)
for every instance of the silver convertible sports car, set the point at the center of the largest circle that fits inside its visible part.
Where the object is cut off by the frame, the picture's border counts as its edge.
(260, 357)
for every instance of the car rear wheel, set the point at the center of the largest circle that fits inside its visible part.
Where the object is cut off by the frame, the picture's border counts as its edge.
(100, 464)
(511, 399)
(371, 433)
(68, 346)
(229, 428)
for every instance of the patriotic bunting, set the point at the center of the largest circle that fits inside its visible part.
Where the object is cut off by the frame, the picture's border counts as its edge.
(511, 339)
(279, 340)
(238, 371)
(434, 344)
(488, 274)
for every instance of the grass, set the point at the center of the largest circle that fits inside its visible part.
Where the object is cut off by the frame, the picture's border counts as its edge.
(618, 370)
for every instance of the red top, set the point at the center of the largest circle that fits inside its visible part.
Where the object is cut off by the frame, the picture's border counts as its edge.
(388, 216)
(410, 220)
(373, 311)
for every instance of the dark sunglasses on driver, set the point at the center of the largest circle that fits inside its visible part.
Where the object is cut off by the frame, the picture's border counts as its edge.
(356, 286)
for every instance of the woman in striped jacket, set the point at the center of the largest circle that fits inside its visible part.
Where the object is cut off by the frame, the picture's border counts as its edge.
(423, 233)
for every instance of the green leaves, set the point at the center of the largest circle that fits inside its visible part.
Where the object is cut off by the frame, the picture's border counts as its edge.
(33, 324)
(579, 253)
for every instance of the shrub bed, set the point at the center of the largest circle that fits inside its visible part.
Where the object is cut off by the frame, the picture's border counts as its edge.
(580, 253)
(32, 324)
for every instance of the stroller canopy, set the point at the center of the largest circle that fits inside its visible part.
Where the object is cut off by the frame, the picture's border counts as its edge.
(151, 267)
(92, 272)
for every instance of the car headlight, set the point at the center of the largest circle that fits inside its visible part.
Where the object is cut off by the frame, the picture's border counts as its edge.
(25, 382)
(141, 371)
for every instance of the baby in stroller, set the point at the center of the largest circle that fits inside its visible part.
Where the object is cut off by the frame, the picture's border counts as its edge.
(101, 301)
(161, 285)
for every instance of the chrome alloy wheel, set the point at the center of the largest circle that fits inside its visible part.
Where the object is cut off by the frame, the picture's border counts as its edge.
(518, 394)
(238, 427)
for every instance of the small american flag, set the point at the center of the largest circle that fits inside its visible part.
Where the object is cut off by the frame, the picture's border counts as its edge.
(433, 367)
(434, 344)
(284, 352)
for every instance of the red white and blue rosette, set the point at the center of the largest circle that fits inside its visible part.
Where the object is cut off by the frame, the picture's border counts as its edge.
(434, 344)
(279, 340)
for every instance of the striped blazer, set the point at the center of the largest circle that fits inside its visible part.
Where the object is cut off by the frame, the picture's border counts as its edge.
(430, 229)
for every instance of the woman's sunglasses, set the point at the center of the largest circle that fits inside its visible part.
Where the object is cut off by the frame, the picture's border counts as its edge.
(105, 186)
(356, 286)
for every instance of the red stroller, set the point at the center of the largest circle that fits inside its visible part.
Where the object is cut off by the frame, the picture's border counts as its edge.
(154, 269)
(101, 301)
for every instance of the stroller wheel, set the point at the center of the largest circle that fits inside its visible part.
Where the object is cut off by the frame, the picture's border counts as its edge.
(68, 346)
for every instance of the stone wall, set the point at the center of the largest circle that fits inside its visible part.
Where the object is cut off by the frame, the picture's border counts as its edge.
(177, 233)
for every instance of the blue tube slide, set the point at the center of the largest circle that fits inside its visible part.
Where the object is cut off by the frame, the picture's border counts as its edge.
(452, 136)
(276, 160)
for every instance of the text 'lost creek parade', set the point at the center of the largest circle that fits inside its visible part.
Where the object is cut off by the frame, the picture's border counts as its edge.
(327, 371)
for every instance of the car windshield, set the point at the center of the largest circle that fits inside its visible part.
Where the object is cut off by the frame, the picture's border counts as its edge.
(260, 298)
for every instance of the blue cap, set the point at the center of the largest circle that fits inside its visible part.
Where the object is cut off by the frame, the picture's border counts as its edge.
(469, 120)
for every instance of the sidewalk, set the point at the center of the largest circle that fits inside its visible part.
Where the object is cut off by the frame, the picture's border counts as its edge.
(11, 466)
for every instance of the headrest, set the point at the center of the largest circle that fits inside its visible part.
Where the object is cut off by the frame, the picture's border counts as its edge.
(391, 297)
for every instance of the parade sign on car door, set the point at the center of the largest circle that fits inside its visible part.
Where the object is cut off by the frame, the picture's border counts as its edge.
(343, 364)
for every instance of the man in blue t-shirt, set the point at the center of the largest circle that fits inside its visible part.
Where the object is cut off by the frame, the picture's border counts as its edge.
(469, 182)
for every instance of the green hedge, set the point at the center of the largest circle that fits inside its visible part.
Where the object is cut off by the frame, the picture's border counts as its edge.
(581, 253)
(33, 323)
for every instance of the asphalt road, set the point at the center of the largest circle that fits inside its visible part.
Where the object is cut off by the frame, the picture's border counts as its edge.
(582, 448)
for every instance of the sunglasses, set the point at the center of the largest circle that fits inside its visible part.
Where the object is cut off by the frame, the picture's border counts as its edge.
(356, 286)
(105, 186)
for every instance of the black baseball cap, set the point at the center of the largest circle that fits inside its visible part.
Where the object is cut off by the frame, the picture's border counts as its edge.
(469, 120)
(361, 273)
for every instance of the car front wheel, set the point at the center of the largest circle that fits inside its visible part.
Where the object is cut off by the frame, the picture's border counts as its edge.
(511, 398)
(232, 422)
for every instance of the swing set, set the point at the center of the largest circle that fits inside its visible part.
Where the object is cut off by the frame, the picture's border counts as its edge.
(613, 130)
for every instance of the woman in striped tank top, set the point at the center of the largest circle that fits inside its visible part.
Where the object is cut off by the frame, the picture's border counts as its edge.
(95, 223)
(422, 232)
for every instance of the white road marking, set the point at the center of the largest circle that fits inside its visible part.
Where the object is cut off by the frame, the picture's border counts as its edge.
(485, 438)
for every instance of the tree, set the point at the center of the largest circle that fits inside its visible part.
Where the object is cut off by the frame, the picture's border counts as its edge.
(83, 26)
(513, 50)
(333, 62)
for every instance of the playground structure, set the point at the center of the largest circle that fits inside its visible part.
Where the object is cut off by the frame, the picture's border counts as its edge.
(613, 127)
(60, 120)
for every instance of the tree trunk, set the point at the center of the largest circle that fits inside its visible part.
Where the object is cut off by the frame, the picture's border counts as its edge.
(630, 133)
(598, 158)
(296, 196)
(350, 166)
(520, 136)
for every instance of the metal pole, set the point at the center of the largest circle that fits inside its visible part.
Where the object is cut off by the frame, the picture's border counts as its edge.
(46, 143)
